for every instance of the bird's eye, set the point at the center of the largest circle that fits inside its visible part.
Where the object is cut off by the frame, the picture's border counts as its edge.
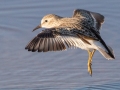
(46, 20)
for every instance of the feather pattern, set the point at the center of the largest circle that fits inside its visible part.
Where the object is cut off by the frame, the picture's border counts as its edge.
(57, 39)
(91, 19)
(53, 40)
(81, 30)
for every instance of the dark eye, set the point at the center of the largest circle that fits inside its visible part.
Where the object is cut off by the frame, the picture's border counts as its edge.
(46, 20)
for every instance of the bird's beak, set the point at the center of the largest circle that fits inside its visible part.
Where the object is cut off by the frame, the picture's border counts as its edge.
(39, 26)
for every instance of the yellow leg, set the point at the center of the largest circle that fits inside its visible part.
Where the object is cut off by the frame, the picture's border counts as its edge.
(90, 61)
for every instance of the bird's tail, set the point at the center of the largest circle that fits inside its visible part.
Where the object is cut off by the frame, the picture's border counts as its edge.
(108, 54)
(105, 50)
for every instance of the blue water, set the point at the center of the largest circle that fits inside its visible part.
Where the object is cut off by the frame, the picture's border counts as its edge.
(66, 70)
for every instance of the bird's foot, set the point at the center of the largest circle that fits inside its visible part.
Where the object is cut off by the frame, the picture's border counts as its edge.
(90, 68)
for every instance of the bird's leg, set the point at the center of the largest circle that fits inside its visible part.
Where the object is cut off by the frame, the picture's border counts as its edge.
(90, 61)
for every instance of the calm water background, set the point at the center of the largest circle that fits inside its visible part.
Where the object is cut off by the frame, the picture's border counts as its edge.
(66, 70)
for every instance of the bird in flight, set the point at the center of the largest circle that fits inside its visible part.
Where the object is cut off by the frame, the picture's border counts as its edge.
(81, 30)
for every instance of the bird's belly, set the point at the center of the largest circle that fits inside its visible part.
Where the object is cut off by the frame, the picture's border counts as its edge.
(83, 45)
(87, 46)
(93, 45)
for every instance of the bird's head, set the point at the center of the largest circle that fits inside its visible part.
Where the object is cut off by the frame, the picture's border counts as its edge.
(49, 21)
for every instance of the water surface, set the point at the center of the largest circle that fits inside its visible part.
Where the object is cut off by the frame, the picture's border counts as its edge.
(66, 70)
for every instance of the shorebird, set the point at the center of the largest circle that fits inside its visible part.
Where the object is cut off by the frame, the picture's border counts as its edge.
(81, 30)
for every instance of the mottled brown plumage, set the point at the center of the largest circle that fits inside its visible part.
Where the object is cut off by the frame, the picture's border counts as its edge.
(81, 30)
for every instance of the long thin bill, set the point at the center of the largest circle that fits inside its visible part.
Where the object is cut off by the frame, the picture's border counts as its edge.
(39, 26)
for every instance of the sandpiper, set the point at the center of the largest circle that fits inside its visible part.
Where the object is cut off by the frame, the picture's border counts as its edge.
(81, 30)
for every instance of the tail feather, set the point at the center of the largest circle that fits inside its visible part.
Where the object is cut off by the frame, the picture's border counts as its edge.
(111, 51)
(105, 54)
(105, 50)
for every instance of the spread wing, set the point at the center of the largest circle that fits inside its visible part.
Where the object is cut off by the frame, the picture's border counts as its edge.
(94, 19)
(57, 40)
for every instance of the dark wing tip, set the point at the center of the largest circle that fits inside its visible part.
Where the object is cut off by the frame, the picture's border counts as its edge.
(85, 13)
(99, 18)
(45, 41)
(79, 12)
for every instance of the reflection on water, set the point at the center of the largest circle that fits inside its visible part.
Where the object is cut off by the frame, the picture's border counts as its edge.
(54, 70)
(110, 86)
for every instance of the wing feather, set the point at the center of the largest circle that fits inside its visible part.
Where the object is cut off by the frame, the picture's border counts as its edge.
(36, 44)
(94, 18)
(40, 45)
(55, 40)
(32, 44)
(51, 40)
(108, 50)
(45, 45)
(54, 45)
